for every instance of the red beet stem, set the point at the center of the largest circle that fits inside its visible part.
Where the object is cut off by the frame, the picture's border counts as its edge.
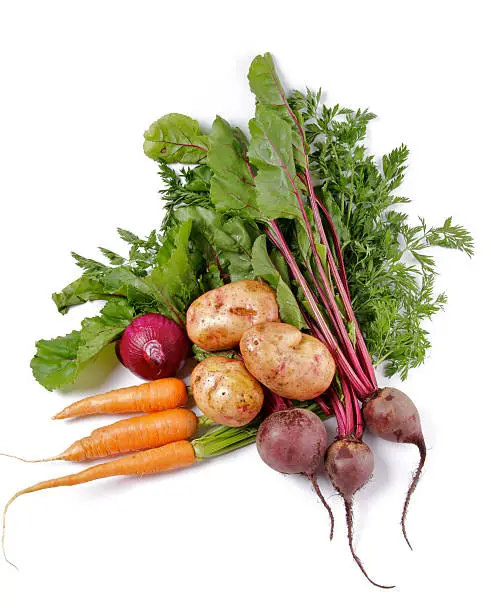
(358, 415)
(341, 280)
(339, 411)
(337, 408)
(336, 242)
(358, 378)
(348, 407)
(420, 443)
(273, 402)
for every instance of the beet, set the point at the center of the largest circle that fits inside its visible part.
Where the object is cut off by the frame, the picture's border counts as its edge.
(391, 415)
(349, 465)
(294, 442)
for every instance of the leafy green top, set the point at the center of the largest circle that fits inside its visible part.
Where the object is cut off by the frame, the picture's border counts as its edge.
(216, 213)
(390, 268)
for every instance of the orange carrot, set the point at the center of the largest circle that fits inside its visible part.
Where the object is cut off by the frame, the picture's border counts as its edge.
(163, 459)
(152, 396)
(130, 435)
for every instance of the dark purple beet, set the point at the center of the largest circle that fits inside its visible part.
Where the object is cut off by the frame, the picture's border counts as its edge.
(349, 465)
(391, 415)
(153, 346)
(294, 442)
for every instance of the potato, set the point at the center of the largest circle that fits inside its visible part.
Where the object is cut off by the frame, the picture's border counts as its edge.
(226, 392)
(290, 363)
(218, 318)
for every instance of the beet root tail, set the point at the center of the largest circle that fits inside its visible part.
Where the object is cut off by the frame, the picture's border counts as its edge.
(420, 443)
(315, 484)
(348, 504)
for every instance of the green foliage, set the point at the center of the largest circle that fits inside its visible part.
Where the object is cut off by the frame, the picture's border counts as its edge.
(82, 290)
(57, 362)
(271, 151)
(98, 332)
(390, 264)
(232, 183)
(200, 354)
(216, 211)
(264, 268)
(175, 278)
(176, 138)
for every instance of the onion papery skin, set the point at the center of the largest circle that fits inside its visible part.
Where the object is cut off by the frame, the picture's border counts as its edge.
(153, 346)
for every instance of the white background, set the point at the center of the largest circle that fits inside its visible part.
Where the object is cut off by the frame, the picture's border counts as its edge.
(80, 82)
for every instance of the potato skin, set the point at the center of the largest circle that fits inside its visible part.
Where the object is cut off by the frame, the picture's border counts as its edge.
(226, 392)
(218, 318)
(290, 363)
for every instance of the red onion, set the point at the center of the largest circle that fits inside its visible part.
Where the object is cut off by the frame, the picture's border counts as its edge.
(153, 346)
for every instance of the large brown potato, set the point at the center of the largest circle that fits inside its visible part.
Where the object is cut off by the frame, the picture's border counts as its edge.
(287, 361)
(226, 392)
(218, 318)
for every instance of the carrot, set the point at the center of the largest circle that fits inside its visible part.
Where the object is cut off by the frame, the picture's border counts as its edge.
(152, 396)
(129, 435)
(163, 459)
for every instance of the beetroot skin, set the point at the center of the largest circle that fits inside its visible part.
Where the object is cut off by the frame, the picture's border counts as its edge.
(391, 415)
(349, 465)
(294, 442)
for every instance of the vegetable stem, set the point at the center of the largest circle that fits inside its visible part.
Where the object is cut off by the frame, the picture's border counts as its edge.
(360, 383)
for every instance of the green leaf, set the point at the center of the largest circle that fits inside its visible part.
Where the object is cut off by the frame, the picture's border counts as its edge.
(264, 81)
(90, 266)
(114, 258)
(176, 278)
(288, 306)
(262, 264)
(128, 236)
(266, 85)
(140, 293)
(230, 240)
(240, 267)
(98, 332)
(238, 235)
(451, 236)
(212, 278)
(55, 362)
(337, 218)
(265, 269)
(232, 183)
(277, 185)
(201, 354)
(84, 289)
(176, 138)
(280, 264)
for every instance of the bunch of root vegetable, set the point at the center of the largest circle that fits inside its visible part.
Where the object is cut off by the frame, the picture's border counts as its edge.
(253, 261)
